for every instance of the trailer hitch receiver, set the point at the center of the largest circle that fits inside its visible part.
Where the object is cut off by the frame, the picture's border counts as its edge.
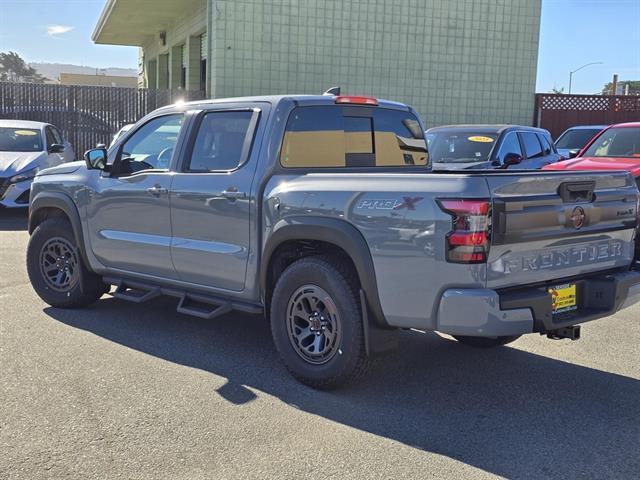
(572, 333)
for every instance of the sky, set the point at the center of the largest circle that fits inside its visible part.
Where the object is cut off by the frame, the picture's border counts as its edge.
(59, 31)
(576, 32)
(572, 33)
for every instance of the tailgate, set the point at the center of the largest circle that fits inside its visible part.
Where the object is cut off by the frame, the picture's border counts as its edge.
(552, 225)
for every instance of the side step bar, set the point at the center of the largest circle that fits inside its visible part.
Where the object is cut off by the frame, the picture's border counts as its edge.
(202, 307)
(198, 305)
(135, 294)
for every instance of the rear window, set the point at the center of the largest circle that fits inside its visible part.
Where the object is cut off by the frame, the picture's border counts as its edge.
(335, 136)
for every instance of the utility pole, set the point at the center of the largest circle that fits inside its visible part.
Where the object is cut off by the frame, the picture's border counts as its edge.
(614, 84)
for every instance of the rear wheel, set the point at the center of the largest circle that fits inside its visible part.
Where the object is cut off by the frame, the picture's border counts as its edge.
(486, 342)
(316, 323)
(55, 267)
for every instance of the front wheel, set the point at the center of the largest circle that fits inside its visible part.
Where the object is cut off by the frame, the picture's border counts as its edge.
(486, 342)
(55, 267)
(316, 323)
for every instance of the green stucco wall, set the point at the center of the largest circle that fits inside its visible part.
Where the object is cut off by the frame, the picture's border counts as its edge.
(455, 61)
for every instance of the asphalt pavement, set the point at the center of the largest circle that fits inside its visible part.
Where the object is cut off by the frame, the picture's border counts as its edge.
(124, 391)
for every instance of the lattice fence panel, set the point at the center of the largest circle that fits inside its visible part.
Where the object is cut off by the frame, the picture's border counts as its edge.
(557, 112)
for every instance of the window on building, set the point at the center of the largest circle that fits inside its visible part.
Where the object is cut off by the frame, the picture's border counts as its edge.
(220, 141)
(183, 66)
(335, 136)
(152, 74)
(163, 71)
(204, 49)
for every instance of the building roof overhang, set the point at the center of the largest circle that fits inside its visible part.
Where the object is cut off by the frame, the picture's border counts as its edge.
(138, 22)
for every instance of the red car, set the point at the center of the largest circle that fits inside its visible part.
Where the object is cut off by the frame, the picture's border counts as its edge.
(615, 148)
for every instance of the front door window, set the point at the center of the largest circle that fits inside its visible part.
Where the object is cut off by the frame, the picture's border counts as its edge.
(152, 146)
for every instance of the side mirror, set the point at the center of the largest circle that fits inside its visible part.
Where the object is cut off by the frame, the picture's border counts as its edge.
(56, 148)
(573, 153)
(96, 159)
(512, 159)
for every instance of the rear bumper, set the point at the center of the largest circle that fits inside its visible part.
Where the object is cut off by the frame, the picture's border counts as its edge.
(487, 313)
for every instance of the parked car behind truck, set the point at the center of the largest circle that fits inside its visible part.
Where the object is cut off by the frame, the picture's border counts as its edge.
(322, 212)
(26, 148)
(575, 138)
(464, 147)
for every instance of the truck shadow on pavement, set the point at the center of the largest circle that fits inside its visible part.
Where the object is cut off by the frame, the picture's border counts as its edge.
(13, 220)
(505, 411)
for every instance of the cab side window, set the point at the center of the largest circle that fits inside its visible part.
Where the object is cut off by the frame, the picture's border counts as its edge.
(546, 145)
(510, 144)
(50, 137)
(531, 145)
(221, 140)
(151, 146)
(57, 136)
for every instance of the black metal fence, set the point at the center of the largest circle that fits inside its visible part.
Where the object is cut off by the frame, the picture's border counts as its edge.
(86, 115)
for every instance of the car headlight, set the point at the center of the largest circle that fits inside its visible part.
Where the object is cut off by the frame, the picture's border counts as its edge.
(21, 177)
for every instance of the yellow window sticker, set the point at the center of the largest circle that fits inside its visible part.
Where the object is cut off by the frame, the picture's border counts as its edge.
(26, 133)
(480, 139)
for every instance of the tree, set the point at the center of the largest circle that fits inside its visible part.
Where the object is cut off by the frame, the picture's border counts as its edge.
(14, 69)
(557, 90)
(634, 87)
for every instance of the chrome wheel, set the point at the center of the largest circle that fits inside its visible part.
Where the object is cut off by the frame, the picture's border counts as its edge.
(313, 324)
(59, 264)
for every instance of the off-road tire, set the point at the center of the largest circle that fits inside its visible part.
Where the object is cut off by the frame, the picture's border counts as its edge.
(349, 361)
(486, 342)
(86, 286)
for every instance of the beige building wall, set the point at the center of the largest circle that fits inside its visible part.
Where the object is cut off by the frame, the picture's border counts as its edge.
(97, 80)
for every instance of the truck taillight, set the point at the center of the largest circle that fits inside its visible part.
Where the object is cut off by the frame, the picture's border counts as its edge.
(469, 240)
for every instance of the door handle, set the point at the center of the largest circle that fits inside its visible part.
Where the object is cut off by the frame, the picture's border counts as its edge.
(233, 194)
(157, 190)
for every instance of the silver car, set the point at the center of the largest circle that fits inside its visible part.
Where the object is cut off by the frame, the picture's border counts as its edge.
(575, 138)
(25, 149)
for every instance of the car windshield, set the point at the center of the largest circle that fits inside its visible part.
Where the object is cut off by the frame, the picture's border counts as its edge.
(616, 142)
(461, 146)
(577, 138)
(20, 140)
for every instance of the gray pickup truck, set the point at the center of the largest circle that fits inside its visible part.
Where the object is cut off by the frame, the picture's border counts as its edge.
(322, 213)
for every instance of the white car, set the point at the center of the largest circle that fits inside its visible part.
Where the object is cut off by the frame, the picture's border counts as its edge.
(26, 148)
